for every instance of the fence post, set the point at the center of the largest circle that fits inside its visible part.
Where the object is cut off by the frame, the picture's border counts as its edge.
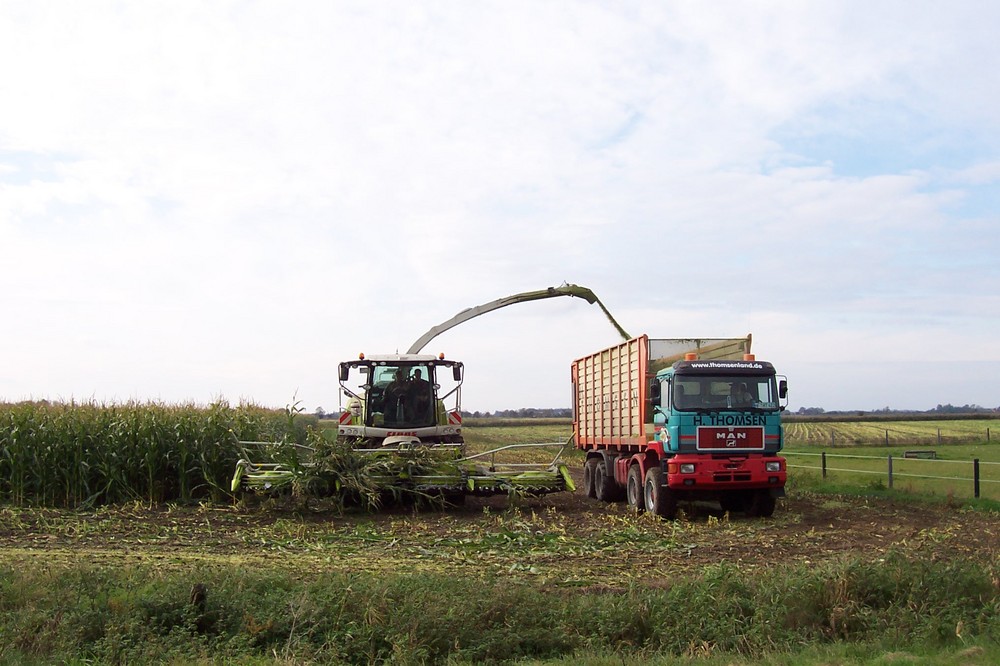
(987, 435)
(890, 472)
(824, 464)
(833, 440)
(887, 438)
(975, 477)
(939, 436)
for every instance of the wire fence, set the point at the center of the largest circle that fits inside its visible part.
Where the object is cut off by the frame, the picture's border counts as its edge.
(895, 467)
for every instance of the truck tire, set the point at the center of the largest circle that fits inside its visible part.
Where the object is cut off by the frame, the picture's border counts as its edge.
(589, 474)
(761, 504)
(605, 486)
(659, 500)
(735, 501)
(633, 489)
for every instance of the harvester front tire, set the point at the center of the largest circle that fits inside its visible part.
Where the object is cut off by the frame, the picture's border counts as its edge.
(659, 500)
(634, 491)
(590, 477)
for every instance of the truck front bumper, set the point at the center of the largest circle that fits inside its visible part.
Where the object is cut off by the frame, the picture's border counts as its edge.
(720, 472)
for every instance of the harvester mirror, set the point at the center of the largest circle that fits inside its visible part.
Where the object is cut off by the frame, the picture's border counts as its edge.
(783, 388)
(456, 372)
(344, 372)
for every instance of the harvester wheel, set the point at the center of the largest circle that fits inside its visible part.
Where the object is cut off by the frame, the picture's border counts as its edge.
(633, 489)
(659, 499)
(761, 504)
(454, 499)
(589, 477)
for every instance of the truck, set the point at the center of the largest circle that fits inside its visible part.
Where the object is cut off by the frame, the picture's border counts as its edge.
(669, 420)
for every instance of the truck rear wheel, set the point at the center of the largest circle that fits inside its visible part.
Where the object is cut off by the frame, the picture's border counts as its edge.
(589, 474)
(659, 499)
(633, 489)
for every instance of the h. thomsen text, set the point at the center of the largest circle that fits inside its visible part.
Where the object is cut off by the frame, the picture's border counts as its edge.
(730, 420)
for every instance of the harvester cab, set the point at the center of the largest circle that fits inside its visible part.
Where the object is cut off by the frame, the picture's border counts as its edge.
(401, 395)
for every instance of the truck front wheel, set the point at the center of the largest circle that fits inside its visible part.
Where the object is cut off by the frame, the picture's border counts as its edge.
(659, 499)
(633, 489)
(761, 504)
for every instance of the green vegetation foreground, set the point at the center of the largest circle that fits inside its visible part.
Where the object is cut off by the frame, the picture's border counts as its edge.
(558, 578)
(143, 614)
(561, 577)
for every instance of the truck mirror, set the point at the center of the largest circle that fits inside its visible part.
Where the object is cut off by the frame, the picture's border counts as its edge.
(654, 391)
(783, 388)
(344, 371)
(456, 372)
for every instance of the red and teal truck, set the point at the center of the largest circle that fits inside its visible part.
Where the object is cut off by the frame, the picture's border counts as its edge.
(670, 420)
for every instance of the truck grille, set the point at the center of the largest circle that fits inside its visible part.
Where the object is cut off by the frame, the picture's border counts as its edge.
(721, 477)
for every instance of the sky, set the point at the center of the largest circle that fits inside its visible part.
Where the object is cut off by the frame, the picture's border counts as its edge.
(210, 200)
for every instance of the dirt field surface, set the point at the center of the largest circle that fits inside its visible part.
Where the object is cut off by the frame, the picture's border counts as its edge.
(563, 539)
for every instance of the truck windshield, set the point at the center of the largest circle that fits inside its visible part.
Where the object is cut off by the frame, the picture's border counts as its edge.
(725, 393)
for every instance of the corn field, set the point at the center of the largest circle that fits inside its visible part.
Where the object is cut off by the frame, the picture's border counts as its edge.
(832, 433)
(75, 455)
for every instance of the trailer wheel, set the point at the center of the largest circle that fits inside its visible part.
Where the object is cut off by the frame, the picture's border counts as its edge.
(659, 499)
(633, 489)
(761, 504)
(601, 483)
(605, 487)
(589, 480)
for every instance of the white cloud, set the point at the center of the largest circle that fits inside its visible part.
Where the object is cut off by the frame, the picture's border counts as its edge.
(229, 198)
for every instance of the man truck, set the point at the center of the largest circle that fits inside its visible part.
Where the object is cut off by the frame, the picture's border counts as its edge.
(670, 420)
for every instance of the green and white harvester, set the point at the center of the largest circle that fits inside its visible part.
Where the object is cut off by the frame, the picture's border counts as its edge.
(401, 429)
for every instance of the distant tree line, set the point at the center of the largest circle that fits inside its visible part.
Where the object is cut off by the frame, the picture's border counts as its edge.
(566, 412)
(940, 410)
(524, 413)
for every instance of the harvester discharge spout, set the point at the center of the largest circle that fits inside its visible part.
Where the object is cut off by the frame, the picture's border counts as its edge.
(550, 292)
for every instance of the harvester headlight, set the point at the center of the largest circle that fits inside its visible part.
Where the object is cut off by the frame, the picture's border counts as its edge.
(687, 468)
(773, 466)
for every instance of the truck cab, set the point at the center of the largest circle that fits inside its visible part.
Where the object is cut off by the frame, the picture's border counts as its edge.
(719, 425)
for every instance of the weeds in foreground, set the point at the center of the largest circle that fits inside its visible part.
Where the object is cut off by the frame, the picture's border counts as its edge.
(140, 614)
